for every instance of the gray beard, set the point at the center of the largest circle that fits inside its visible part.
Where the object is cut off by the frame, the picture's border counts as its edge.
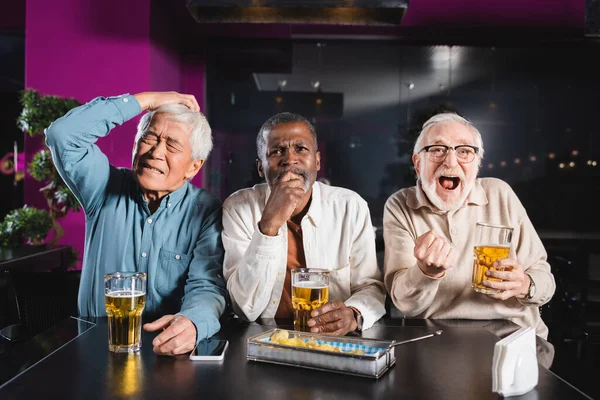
(302, 173)
(434, 199)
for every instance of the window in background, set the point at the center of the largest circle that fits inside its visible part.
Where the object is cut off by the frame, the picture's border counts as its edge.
(535, 108)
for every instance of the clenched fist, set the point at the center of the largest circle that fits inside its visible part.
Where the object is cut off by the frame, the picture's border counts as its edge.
(434, 254)
(285, 196)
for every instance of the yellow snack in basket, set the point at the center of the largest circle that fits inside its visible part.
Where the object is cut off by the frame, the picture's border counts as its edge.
(282, 337)
(328, 347)
(297, 342)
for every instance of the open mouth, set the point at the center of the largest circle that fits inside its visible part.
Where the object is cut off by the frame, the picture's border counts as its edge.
(449, 182)
(152, 169)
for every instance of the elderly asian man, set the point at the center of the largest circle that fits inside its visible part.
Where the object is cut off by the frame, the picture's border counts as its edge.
(148, 218)
(292, 222)
(429, 233)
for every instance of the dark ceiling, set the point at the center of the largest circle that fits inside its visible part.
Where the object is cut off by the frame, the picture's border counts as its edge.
(431, 21)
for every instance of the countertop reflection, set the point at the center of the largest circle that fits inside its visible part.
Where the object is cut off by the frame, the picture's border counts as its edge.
(17, 357)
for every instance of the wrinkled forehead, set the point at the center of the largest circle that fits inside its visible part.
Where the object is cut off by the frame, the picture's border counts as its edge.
(450, 134)
(288, 132)
(164, 124)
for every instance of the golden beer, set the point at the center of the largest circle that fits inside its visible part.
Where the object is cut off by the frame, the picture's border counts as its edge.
(124, 309)
(306, 296)
(484, 258)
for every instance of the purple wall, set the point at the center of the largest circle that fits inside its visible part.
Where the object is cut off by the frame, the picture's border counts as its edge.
(165, 61)
(165, 69)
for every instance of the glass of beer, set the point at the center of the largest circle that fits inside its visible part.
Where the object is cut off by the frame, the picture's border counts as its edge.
(125, 295)
(492, 243)
(310, 290)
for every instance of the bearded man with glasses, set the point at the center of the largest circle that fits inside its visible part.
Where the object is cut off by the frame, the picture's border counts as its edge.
(429, 233)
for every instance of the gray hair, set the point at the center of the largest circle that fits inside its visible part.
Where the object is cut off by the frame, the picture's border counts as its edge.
(195, 122)
(448, 117)
(278, 119)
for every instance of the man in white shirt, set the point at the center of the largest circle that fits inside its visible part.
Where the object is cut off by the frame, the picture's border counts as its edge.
(292, 222)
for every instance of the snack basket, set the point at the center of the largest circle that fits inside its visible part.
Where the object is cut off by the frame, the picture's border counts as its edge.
(378, 355)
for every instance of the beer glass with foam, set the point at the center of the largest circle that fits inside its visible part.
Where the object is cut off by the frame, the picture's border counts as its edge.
(125, 295)
(310, 290)
(492, 243)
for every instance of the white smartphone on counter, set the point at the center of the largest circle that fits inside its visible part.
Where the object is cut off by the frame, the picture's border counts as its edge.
(209, 350)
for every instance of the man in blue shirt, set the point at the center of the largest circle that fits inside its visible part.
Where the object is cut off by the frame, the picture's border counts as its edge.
(150, 218)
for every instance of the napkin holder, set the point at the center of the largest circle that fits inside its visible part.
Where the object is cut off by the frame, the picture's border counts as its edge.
(515, 368)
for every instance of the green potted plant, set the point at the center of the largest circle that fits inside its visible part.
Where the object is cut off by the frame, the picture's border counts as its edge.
(38, 113)
(26, 225)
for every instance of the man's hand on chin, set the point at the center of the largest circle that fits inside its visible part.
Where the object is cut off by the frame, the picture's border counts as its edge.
(285, 196)
(178, 335)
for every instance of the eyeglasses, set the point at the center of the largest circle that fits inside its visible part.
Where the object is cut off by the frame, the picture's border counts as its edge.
(438, 152)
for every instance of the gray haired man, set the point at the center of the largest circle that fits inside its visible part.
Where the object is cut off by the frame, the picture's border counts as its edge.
(429, 233)
(149, 218)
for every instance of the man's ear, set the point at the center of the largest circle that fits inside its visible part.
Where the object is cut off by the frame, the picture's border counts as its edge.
(133, 151)
(318, 160)
(259, 168)
(416, 159)
(194, 168)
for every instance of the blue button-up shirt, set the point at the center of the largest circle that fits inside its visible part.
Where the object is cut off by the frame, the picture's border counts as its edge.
(178, 246)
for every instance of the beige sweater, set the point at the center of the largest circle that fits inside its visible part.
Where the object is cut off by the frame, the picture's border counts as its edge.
(408, 214)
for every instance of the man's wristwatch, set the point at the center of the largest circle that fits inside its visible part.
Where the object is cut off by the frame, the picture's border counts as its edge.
(531, 290)
(359, 319)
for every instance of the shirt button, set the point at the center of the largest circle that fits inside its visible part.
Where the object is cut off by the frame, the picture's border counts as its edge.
(279, 274)
(177, 257)
(168, 204)
(274, 302)
(149, 220)
(144, 254)
(125, 100)
(453, 231)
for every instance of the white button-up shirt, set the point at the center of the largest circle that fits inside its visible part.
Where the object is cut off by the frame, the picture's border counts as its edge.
(337, 236)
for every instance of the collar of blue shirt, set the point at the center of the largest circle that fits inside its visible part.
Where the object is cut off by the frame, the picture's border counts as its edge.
(171, 200)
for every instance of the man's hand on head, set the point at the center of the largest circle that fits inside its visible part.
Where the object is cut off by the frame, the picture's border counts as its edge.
(434, 254)
(153, 100)
(178, 335)
(285, 196)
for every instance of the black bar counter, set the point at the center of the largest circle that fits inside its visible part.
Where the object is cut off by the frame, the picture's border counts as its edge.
(72, 361)
(34, 258)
